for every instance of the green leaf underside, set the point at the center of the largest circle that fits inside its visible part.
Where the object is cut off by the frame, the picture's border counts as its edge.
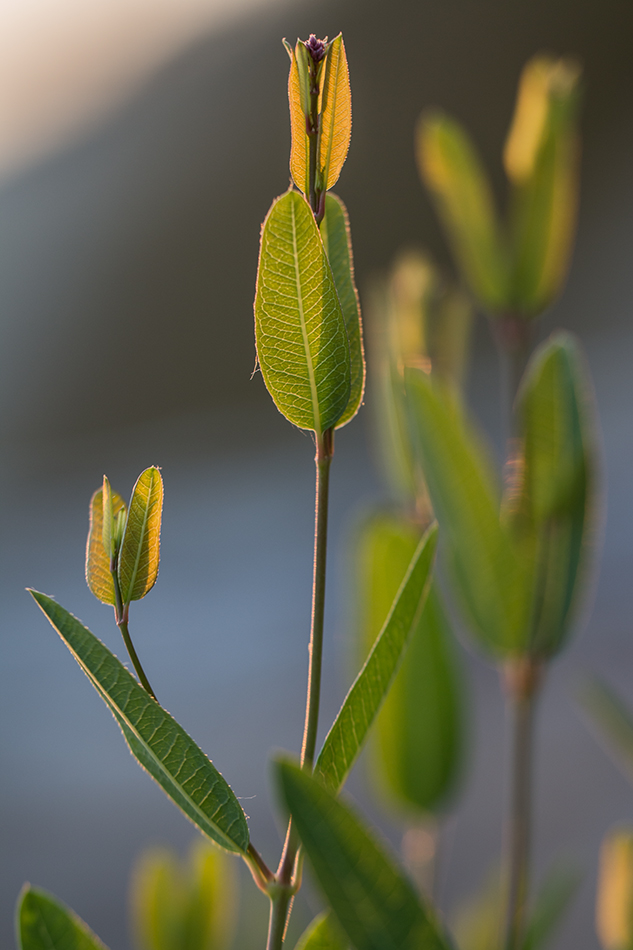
(417, 741)
(323, 934)
(374, 903)
(140, 548)
(158, 742)
(338, 245)
(98, 575)
(482, 559)
(302, 345)
(44, 923)
(345, 739)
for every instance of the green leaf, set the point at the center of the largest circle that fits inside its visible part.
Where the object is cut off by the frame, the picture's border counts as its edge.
(375, 904)
(140, 548)
(98, 574)
(302, 344)
(184, 905)
(613, 719)
(541, 157)
(451, 170)
(347, 735)
(323, 934)
(298, 101)
(161, 746)
(482, 559)
(418, 739)
(44, 923)
(338, 247)
(554, 504)
(335, 108)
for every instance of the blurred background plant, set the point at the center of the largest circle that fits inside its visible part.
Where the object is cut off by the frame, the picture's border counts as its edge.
(129, 285)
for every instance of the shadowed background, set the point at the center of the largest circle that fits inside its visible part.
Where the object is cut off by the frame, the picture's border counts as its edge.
(130, 204)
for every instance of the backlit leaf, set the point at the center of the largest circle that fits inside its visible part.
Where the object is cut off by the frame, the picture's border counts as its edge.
(417, 742)
(374, 903)
(140, 548)
(98, 574)
(338, 247)
(484, 565)
(450, 168)
(336, 113)
(302, 344)
(349, 731)
(44, 923)
(161, 746)
(300, 147)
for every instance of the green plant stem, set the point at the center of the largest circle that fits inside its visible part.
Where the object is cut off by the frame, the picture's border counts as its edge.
(282, 893)
(522, 679)
(512, 335)
(121, 617)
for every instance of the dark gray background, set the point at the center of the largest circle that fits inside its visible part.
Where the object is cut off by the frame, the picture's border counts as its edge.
(126, 281)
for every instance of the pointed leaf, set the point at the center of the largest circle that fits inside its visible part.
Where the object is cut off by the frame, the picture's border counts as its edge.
(300, 146)
(349, 731)
(338, 247)
(373, 901)
(451, 170)
(323, 934)
(300, 331)
(161, 746)
(336, 113)
(482, 559)
(98, 574)
(44, 923)
(140, 548)
(418, 739)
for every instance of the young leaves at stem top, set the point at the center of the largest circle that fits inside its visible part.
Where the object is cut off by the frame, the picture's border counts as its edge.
(140, 547)
(302, 344)
(98, 555)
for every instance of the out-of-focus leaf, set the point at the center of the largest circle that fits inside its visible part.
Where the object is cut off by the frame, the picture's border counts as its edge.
(418, 740)
(302, 344)
(161, 746)
(482, 559)
(98, 574)
(477, 924)
(451, 169)
(555, 498)
(323, 934)
(552, 901)
(184, 906)
(614, 908)
(335, 107)
(44, 923)
(614, 722)
(349, 731)
(338, 247)
(374, 903)
(140, 548)
(541, 159)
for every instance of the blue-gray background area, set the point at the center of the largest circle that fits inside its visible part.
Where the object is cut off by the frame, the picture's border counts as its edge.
(126, 282)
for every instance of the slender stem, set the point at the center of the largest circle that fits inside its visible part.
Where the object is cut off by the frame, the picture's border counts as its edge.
(281, 897)
(512, 335)
(523, 679)
(140, 672)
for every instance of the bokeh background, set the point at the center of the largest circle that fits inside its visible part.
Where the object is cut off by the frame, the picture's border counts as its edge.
(141, 143)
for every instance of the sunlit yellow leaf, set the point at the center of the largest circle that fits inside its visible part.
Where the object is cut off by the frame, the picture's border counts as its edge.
(140, 548)
(336, 114)
(98, 574)
(614, 910)
(299, 148)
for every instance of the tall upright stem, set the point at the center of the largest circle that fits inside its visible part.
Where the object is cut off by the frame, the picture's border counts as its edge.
(522, 681)
(281, 897)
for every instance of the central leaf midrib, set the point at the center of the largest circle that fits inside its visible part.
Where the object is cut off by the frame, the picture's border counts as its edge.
(302, 321)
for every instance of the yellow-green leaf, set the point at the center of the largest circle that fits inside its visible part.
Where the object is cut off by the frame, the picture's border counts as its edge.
(299, 147)
(98, 574)
(300, 332)
(337, 242)
(451, 169)
(614, 907)
(336, 113)
(140, 548)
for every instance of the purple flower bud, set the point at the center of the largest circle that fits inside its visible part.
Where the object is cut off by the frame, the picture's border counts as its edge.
(316, 48)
